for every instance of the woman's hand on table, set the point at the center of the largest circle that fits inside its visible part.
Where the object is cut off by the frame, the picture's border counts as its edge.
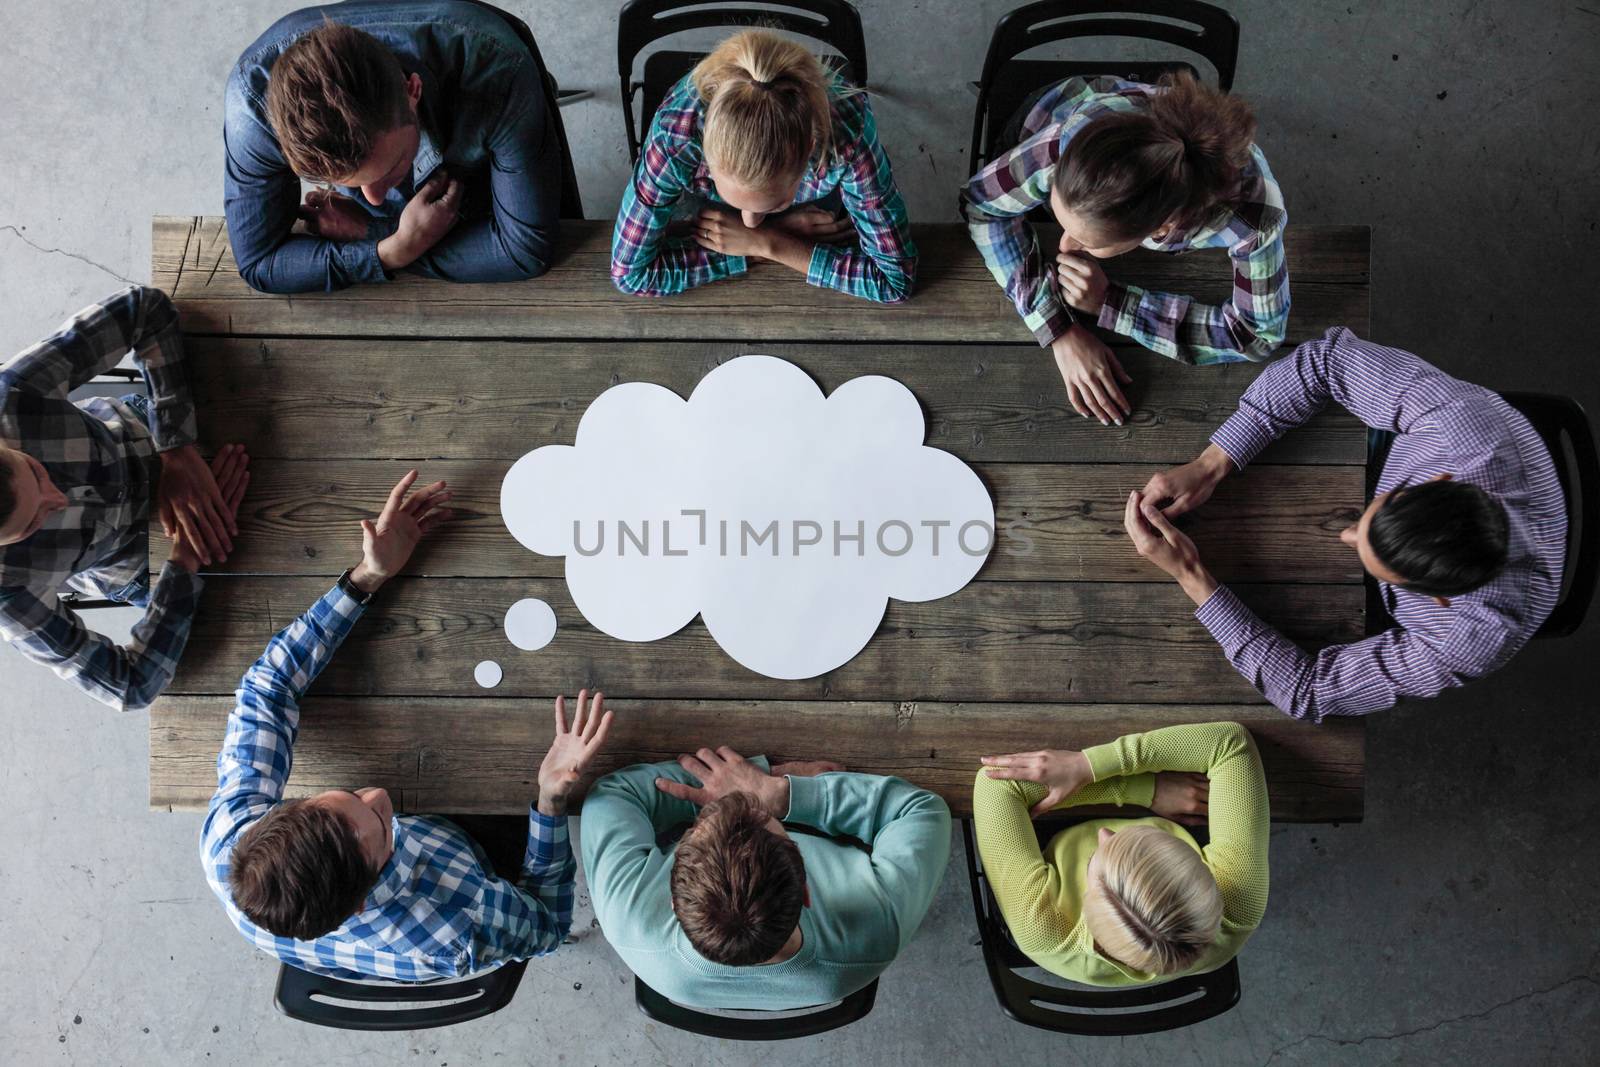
(572, 751)
(387, 544)
(1182, 797)
(1062, 772)
(1093, 375)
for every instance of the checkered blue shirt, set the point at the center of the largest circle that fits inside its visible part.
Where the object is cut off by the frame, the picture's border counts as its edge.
(103, 456)
(997, 199)
(436, 910)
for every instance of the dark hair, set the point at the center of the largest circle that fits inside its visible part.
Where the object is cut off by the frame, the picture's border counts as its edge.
(1444, 538)
(299, 872)
(737, 887)
(1176, 158)
(329, 95)
(8, 491)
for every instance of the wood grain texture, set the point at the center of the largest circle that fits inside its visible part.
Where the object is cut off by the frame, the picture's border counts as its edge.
(1066, 642)
(1058, 522)
(955, 298)
(304, 398)
(482, 755)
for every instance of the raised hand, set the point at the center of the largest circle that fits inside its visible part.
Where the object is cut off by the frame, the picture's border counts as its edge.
(1093, 375)
(387, 544)
(1062, 772)
(722, 772)
(573, 750)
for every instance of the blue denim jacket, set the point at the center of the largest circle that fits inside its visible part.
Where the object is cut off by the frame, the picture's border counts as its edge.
(484, 118)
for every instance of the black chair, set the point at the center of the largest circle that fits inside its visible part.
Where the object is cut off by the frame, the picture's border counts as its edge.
(1081, 1009)
(571, 202)
(1007, 82)
(755, 1025)
(1565, 428)
(835, 23)
(304, 996)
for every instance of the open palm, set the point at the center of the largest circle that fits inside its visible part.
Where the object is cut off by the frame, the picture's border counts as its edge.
(573, 748)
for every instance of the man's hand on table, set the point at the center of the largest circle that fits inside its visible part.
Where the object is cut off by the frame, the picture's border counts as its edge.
(1167, 547)
(387, 544)
(1093, 375)
(1185, 488)
(199, 504)
(724, 771)
(572, 751)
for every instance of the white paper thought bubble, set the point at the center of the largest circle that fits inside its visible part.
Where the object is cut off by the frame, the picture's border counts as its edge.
(784, 518)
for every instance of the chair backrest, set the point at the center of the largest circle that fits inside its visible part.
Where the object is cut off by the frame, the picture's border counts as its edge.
(571, 201)
(1201, 28)
(1118, 1012)
(755, 1025)
(1567, 433)
(835, 23)
(303, 996)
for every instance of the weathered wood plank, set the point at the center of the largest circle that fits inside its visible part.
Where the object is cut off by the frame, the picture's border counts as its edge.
(956, 299)
(301, 398)
(1071, 642)
(482, 755)
(1058, 522)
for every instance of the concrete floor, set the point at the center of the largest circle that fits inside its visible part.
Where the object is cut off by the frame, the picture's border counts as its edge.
(1455, 925)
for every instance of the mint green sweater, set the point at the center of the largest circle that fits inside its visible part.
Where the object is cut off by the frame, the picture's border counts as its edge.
(864, 909)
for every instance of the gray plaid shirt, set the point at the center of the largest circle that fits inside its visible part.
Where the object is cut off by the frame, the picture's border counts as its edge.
(103, 456)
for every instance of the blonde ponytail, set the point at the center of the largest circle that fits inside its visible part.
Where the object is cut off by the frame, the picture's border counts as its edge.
(767, 108)
(1155, 905)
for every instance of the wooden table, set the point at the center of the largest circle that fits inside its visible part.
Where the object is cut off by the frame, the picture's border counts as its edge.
(336, 395)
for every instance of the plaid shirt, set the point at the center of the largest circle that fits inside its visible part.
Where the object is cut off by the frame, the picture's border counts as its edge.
(101, 454)
(672, 176)
(998, 197)
(436, 910)
(1444, 426)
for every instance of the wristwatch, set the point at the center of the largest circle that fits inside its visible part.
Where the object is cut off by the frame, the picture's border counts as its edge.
(353, 591)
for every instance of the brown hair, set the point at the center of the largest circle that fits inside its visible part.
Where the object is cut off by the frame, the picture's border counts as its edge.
(1177, 158)
(299, 872)
(1155, 905)
(329, 95)
(767, 110)
(737, 887)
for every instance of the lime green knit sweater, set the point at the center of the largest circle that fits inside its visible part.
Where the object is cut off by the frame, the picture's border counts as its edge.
(1041, 894)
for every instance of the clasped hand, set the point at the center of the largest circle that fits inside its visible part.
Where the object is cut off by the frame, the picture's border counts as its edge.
(198, 503)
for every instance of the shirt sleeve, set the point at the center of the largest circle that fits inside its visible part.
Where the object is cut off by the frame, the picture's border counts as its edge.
(906, 828)
(532, 917)
(261, 201)
(883, 266)
(1352, 679)
(1239, 818)
(516, 241)
(258, 748)
(645, 259)
(137, 320)
(1384, 387)
(127, 677)
(1249, 327)
(995, 203)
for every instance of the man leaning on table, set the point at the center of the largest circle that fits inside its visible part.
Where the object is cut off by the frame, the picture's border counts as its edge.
(1465, 534)
(338, 883)
(79, 483)
(431, 121)
(745, 910)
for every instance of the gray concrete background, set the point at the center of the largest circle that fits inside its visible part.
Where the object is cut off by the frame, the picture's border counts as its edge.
(1455, 925)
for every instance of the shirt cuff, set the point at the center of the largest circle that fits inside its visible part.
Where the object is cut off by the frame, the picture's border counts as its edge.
(368, 267)
(1103, 761)
(1241, 437)
(821, 264)
(1116, 313)
(1226, 617)
(1056, 322)
(176, 586)
(1139, 789)
(805, 801)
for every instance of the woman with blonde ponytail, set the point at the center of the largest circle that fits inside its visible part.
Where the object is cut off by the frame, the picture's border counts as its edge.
(1122, 902)
(757, 129)
(1171, 167)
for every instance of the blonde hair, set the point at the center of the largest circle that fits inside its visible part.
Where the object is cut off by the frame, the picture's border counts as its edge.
(767, 108)
(1154, 904)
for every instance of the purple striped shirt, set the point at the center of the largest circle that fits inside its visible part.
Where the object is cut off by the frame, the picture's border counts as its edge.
(1444, 426)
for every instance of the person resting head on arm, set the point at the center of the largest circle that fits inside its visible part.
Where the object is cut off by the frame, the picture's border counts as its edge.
(1120, 901)
(764, 136)
(1121, 165)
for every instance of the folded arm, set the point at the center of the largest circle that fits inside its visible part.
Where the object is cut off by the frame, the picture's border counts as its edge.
(883, 266)
(645, 259)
